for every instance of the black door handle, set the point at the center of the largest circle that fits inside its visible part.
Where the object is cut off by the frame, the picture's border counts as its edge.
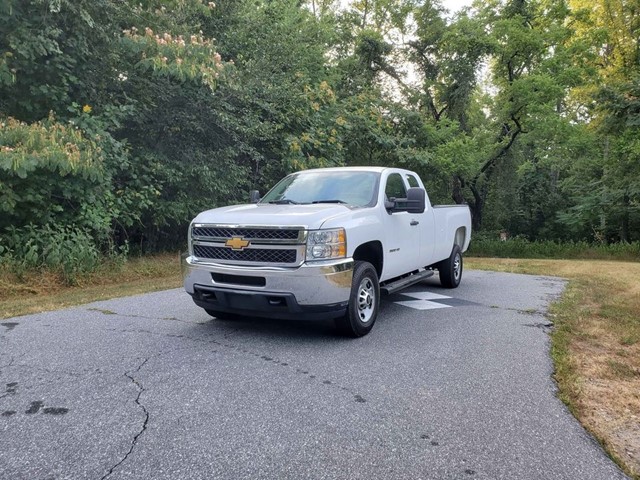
(414, 223)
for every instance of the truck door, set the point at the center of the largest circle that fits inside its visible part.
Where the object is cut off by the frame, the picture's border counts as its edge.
(427, 226)
(402, 233)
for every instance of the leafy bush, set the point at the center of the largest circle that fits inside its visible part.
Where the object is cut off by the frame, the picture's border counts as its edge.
(50, 173)
(66, 250)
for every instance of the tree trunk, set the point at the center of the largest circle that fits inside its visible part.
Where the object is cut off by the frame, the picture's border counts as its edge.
(478, 209)
(476, 206)
(624, 227)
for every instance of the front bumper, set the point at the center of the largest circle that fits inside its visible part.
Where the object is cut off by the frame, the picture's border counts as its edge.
(311, 291)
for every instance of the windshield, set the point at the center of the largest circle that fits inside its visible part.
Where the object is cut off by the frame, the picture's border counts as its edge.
(348, 187)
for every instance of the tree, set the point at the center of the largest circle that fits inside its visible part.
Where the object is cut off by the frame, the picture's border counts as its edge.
(609, 99)
(527, 41)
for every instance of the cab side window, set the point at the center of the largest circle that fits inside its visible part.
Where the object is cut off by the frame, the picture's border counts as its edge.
(395, 187)
(413, 181)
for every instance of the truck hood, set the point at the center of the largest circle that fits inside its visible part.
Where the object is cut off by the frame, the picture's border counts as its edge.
(310, 216)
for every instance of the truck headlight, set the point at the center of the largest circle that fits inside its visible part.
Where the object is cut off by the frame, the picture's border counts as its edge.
(325, 244)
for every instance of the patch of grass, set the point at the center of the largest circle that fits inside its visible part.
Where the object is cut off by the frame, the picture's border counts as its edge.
(622, 370)
(594, 346)
(43, 290)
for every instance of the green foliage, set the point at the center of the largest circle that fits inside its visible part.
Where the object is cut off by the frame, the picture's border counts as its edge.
(67, 250)
(50, 171)
(122, 120)
(54, 52)
(192, 58)
(484, 246)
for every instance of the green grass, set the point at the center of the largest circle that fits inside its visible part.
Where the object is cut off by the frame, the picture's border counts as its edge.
(43, 290)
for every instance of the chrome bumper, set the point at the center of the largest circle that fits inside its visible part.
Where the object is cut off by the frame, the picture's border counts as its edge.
(313, 284)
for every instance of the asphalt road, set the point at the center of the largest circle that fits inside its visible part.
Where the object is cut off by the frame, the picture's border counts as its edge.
(151, 387)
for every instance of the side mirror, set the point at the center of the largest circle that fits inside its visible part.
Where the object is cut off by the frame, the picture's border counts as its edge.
(254, 196)
(414, 203)
(416, 200)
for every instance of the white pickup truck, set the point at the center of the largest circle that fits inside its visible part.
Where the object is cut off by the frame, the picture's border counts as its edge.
(324, 244)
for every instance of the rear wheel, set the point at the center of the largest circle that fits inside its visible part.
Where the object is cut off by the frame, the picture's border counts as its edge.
(451, 269)
(364, 301)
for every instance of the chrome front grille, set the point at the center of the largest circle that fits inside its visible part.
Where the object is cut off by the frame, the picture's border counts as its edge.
(254, 255)
(267, 245)
(246, 233)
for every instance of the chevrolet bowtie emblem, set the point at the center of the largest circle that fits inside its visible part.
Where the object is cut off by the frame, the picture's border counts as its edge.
(237, 243)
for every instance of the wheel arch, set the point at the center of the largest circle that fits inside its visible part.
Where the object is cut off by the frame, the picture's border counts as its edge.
(371, 252)
(460, 238)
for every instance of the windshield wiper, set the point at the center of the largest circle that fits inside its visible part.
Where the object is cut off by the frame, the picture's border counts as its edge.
(284, 201)
(329, 201)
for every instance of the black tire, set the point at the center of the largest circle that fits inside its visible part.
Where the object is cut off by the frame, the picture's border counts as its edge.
(451, 269)
(222, 315)
(364, 302)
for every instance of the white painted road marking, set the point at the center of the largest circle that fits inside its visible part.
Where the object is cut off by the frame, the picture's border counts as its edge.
(425, 295)
(423, 301)
(423, 304)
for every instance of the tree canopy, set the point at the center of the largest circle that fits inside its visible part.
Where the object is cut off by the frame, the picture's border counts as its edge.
(121, 120)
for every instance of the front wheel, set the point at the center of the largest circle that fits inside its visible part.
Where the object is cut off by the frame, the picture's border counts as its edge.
(364, 301)
(451, 269)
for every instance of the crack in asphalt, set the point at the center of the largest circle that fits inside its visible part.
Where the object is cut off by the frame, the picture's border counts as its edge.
(140, 387)
(303, 371)
(133, 315)
(141, 390)
(521, 311)
(528, 311)
(546, 325)
(10, 364)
